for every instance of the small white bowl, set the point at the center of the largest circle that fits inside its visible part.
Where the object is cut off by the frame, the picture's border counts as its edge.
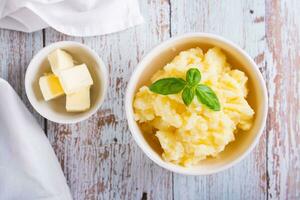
(55, 110)
(163, 54)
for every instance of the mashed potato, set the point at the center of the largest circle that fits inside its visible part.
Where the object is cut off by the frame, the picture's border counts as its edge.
(189, 134)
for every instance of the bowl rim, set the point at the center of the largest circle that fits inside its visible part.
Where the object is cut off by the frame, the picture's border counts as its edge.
(135, 131)
(61, 44)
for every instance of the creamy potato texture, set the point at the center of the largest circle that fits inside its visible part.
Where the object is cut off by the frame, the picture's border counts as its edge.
(189, 134)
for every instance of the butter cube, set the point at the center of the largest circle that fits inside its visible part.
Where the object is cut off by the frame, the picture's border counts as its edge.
(75, 78)
(78, 101)
(60, 60)
(50, 86)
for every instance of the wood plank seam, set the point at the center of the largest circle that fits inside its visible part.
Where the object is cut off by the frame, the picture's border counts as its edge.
(44, 44)
(170, 36)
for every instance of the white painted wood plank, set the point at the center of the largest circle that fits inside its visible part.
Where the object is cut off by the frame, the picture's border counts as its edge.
(16, 51)
(98, 156)
(243, 23)
(283, 69)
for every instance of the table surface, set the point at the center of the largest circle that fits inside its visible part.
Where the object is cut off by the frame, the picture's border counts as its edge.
(99, 157)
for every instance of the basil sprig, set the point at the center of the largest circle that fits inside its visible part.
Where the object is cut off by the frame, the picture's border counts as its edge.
(189, 87)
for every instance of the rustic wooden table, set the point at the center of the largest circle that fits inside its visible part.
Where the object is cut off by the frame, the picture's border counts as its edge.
(99, 157)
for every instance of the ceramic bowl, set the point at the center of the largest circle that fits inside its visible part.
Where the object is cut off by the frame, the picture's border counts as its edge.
(257, 98)
(55, 110)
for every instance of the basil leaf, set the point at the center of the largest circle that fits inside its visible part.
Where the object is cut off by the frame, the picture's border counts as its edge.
(188, 95)
(207, 96)
(193, 76)
(167, 86)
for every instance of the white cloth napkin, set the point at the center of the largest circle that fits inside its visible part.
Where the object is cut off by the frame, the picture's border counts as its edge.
(29, 169)
(72, 17)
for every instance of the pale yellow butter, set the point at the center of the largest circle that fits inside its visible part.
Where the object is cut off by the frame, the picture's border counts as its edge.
(60, 60)
(74, 81)
(78, 101)
(75, 78)
(50, 87)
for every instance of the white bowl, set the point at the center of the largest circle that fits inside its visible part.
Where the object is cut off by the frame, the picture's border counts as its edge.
(55, 110)
(257, 98)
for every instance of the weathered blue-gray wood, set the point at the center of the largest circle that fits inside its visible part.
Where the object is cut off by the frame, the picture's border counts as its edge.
(99, 157)
(283, 75)
(235, 21)
(16, 51)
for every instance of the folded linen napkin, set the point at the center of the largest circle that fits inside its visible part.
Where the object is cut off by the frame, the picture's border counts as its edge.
(29, 169)
(72, 17)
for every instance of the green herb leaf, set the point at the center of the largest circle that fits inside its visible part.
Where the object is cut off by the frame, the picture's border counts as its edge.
(208, 97)
(188, 95)
(190, 87)
(167, 86)
(193, 76)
